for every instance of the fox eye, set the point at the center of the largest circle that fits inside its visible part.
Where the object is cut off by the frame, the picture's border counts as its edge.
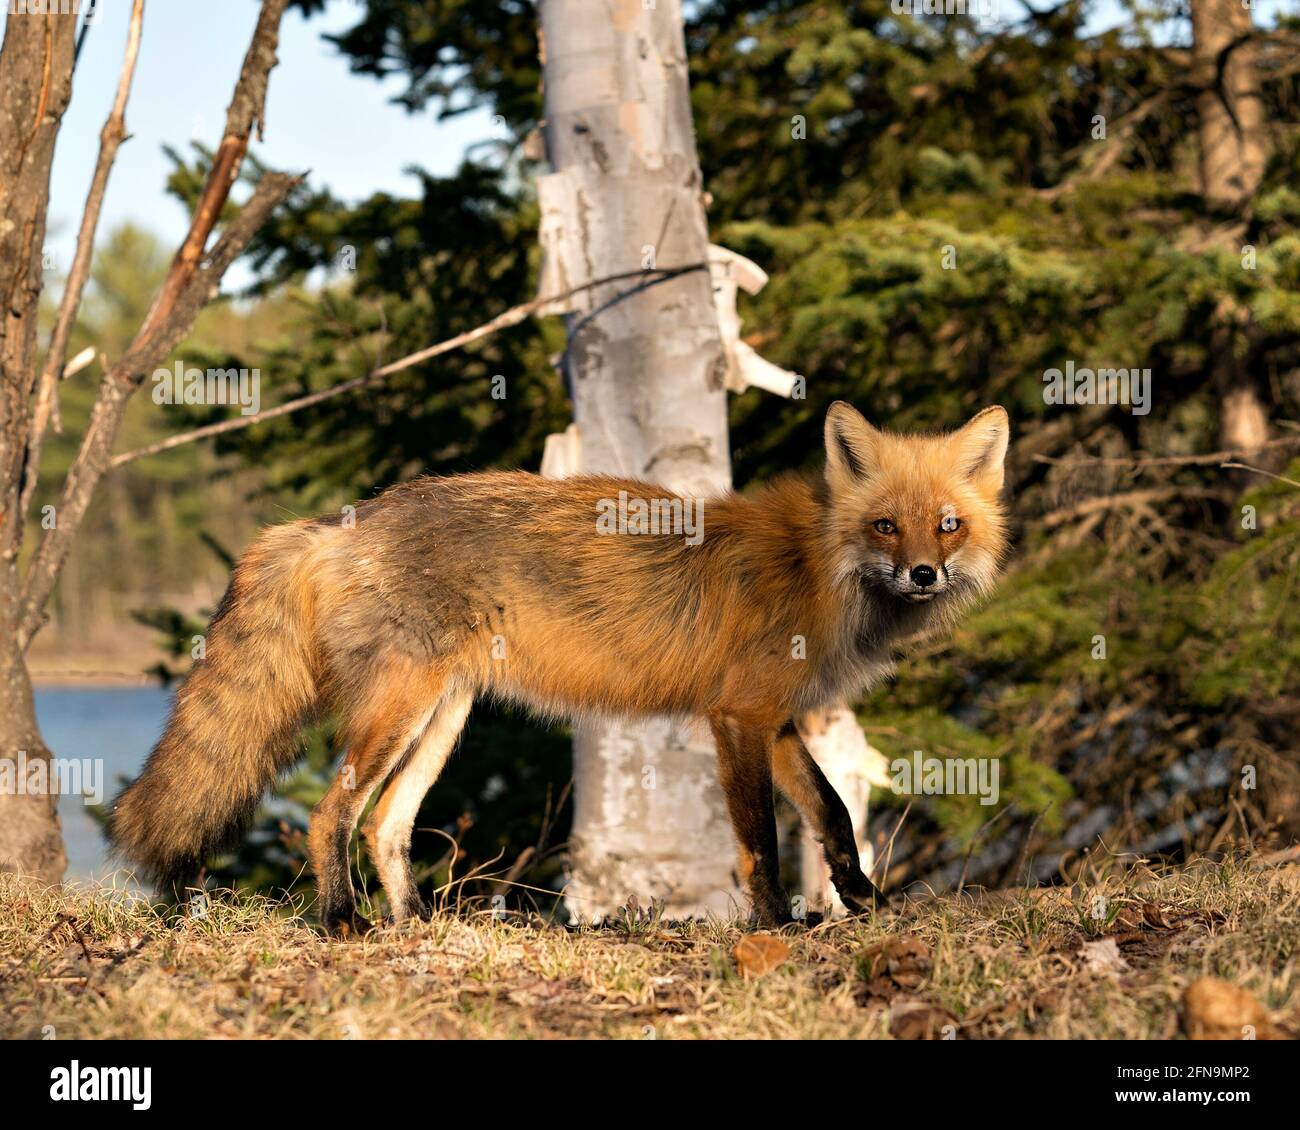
(950, 523)
(884, 526)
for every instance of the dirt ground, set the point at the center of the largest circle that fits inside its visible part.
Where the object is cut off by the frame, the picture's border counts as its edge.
(1209, 950)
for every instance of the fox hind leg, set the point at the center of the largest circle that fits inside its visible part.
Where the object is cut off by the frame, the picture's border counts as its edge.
(379, 731)
(330, 830)
(803, 782)
(388, 828)
(745, 773)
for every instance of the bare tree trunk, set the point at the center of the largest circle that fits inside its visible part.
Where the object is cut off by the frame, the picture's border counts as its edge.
(35, 86)
(647, 376)
(31, 840)
(1231, 113)
(1233, 153)
(36, 63)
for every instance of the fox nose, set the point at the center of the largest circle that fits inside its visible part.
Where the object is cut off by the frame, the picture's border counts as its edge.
(924, 575)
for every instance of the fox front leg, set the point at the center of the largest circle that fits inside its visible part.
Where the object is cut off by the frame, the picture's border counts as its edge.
(802, 780)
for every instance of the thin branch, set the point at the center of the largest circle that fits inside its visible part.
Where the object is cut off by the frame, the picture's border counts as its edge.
(86, 21)
(245, 111)
(511, 317)
(192, 280)
(110, 139)
(1261, 471)
(1211, 458)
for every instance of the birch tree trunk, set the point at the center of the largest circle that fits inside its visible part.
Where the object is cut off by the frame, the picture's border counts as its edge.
(647, 377)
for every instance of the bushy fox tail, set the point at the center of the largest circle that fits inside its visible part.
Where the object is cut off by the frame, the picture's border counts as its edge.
(233, 728)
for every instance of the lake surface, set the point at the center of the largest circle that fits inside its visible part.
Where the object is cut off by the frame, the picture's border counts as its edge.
(113, 728)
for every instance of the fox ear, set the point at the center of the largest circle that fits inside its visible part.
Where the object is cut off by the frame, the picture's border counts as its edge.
(850, 444)
(982, 445)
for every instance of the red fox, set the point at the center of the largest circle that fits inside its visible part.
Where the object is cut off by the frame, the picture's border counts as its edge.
(505, 584)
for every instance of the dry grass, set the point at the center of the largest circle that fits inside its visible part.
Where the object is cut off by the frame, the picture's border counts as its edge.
(1001, 965)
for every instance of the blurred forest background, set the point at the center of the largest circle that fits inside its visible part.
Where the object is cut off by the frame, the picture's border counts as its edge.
(1136, 672)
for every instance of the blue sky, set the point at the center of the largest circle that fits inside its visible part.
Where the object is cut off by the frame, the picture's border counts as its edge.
(319, 116)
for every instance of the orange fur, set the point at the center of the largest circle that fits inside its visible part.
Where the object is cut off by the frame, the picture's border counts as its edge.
(502, 583)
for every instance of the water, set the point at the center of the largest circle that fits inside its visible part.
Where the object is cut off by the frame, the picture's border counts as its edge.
(114, 727)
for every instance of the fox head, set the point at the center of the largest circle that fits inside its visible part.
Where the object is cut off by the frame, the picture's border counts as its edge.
(917, 518)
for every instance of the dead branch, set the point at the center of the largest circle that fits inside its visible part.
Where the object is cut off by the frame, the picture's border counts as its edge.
(1116, 146)
(1130, 499)
(110, 139)
(36, 74)
(246, 109)
(1261, 471)
(511, 317)
(1209, 459)
(1072, 428)
(192, 280)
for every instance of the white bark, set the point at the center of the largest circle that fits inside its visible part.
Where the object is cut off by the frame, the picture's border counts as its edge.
(648, 383)
(745, 368)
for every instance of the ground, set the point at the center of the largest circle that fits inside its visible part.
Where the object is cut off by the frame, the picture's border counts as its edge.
(1115, 957)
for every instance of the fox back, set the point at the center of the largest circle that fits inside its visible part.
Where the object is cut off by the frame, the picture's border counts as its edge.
(784, 600)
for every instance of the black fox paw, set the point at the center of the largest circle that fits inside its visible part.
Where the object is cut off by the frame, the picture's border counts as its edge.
(863, 903)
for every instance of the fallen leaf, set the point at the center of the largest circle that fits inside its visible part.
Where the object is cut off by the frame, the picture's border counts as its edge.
(758, 954)
(1136, 918)
(918, 1020)
(899, 963)
(1219, 1010)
